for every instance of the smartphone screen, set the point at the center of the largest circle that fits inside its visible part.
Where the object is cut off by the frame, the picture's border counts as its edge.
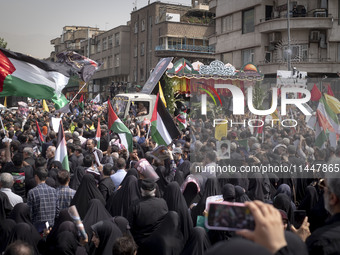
(299, 216)
(229, 216)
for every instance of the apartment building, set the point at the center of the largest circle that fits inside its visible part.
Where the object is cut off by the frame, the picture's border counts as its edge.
(112, 49)
(256, 31)
(167, 30)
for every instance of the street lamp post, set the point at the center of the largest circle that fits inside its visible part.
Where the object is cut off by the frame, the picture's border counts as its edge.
(289, 52)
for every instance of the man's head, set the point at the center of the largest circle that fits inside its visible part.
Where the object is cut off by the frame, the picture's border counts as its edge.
(224, 148)
(148, 188)
(17, 159)
(121, 163)
(331, 187)
(50, 152)
(6, 180)
(88, 161)
(63, 177)
(27, 152)
(40, 174)
(90, 144)
(177, 151)
(107, 169)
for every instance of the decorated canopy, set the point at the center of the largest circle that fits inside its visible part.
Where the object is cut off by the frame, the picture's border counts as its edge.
(189, 77)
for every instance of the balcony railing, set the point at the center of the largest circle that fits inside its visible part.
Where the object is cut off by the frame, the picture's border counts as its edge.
(296, 60)
(187, 48)
(316, 13)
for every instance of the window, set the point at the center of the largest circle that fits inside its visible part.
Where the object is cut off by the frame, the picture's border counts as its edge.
(248, 24)
(268, 57)
(227, 24)
(104, 63)
(109, 61)
(247, 56)
(136, 27)
(338, 52)
(99, 46)
(109, 39)
(174, 43)
(117, 60)
(143, 24)
(117, 37)
(135, 52)
(141, 74)
(142, 49)
(104, 43)
(298, 53)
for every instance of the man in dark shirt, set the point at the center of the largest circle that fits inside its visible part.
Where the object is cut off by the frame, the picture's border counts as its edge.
(106, 185)
(326, 239)
(147, 213)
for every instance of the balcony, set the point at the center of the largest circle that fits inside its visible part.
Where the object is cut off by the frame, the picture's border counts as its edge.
(186, 48)
(311, 65)
(315, 19)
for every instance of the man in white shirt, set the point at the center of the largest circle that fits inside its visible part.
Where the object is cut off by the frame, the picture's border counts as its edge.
(6, 182)
(118, 177)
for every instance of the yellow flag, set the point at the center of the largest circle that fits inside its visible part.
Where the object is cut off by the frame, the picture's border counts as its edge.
(5, 102)
(221, 130)
(45, 107)
(333, 103)
(161, 94)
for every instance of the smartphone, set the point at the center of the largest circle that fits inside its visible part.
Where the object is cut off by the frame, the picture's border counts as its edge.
(47, 225)
(299, 216)
(229, 216)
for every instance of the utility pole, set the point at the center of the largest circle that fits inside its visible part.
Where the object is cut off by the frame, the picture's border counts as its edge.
(289, 51)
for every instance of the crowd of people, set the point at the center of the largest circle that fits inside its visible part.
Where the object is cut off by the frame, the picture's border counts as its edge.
(125, 210)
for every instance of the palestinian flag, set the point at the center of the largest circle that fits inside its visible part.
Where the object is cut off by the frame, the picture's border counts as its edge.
(40, 137)
(182, 120)
(61, 151)
(163, 128)
(117, 126)
(327, 124)
(22, 75)
(81, 102)
(98, 134)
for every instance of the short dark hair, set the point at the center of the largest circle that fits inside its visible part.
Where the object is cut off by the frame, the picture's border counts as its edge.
(17, 159)
(41, 173)
(63, 176)
(121, 163)
(88, 161)
(71, 147)
(107, 169)
(40, 161)
(124, 245)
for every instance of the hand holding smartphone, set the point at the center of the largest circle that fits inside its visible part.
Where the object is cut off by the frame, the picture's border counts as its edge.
(229, 216)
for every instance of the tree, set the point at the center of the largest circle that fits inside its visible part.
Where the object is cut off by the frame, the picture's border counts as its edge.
(3, 43)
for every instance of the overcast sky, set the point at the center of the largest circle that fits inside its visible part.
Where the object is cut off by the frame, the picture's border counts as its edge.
(28, 26)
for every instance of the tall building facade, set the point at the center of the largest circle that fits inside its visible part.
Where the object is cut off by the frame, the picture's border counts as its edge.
(167, 30)
(112, 49)
(256, 31)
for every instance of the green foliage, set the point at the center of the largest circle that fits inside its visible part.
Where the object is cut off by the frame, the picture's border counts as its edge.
(3, 43)
(259, 94)
(170, 96)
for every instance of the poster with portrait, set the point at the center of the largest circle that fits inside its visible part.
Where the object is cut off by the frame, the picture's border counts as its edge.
(223, 149)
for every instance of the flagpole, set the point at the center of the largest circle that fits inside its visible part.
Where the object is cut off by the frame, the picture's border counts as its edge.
(77, 93)
(2, 124)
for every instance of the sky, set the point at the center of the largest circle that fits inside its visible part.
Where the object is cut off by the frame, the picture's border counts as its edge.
(28, 26)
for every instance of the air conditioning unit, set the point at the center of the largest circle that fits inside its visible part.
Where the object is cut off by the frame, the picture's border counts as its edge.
(314, 36)
(274, 37)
